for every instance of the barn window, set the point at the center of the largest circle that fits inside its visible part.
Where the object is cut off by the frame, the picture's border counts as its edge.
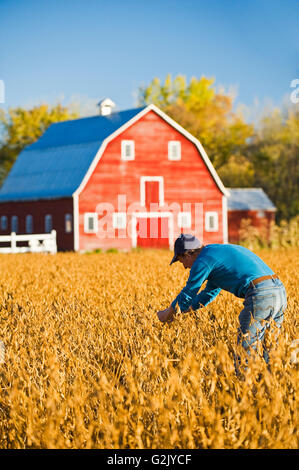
(29, 223)
(127, 150)
(4, 224)
(90, 222)
(15, 224)
(184, 219)
(119, 220)
(48, 223)
(174, 150)
(211, 224)
(68, 222)
(260, 214)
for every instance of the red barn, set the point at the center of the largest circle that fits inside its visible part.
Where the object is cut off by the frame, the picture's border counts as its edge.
(116, 180)
(252, 204)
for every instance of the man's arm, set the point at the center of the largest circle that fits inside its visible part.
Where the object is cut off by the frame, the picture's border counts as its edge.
(205, 296)
(201, 300)
(198, 274)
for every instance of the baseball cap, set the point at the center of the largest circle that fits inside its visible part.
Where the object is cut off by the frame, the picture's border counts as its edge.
(184, 242)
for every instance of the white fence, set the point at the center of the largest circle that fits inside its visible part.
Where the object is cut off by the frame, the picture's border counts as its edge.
(37, 243)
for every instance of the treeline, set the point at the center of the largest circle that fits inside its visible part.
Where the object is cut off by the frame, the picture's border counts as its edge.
(264, 155)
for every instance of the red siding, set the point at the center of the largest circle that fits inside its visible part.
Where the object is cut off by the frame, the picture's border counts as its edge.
(38, 209)
(151, 193)
(152, 232)
(235, 217)
(187, 181)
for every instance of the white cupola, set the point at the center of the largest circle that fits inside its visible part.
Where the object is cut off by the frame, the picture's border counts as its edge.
(105, 106)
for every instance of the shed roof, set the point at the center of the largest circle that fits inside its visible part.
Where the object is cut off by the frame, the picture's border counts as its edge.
(55, 164)
(249, 199)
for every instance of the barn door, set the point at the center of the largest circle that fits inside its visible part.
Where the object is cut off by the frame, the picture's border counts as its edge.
(152, 232)
(151, 193)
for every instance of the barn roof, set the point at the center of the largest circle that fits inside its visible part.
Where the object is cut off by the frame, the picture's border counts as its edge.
(248, 199)
(60, 162)
(55, 164)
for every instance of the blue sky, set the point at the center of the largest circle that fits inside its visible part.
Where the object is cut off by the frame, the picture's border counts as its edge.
(92, 49)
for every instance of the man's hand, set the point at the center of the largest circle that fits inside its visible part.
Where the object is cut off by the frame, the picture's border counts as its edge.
(166, 315)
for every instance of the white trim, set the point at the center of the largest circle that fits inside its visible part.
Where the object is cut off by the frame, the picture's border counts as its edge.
(143, 179)
(197, 144)
(209, 214)
(124, 144)
(224, 219)
(102, 148)
(174, 144)
(136, 215)
(119, 220)
(170, 121)
(76, 221)
(87, 216)
(184, 220)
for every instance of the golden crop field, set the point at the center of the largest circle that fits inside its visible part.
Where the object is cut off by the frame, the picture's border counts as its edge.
(87, 364)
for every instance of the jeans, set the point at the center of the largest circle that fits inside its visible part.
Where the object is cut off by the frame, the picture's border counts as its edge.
(264, 303)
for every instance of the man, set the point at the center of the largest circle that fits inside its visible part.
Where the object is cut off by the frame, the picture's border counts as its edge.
(234, 269)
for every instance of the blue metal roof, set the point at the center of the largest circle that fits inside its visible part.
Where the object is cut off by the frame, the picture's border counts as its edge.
(55, 165)
(248, 199)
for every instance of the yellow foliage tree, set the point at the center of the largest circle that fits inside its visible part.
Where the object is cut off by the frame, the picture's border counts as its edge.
(204, 112)
(273, 152)
(22, 127)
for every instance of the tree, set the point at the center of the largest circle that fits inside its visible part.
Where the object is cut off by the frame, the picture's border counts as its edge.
(205, 113)
(21, 127)
(265, 155)
(274, 154)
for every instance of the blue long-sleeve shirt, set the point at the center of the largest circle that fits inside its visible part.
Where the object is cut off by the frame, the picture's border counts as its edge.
(228, 267)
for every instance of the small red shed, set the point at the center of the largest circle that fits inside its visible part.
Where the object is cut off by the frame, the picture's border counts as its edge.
(252, 204)
(121, 179)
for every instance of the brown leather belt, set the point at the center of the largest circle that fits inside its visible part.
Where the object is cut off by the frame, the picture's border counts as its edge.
(263, 278)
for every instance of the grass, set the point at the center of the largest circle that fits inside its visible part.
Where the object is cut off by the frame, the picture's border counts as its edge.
(88, 364)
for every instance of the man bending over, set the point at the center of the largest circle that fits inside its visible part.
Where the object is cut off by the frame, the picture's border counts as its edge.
(234, 269)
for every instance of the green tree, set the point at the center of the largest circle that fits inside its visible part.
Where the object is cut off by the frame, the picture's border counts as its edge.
(274, 154)
(204, 112)
(20, 128)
